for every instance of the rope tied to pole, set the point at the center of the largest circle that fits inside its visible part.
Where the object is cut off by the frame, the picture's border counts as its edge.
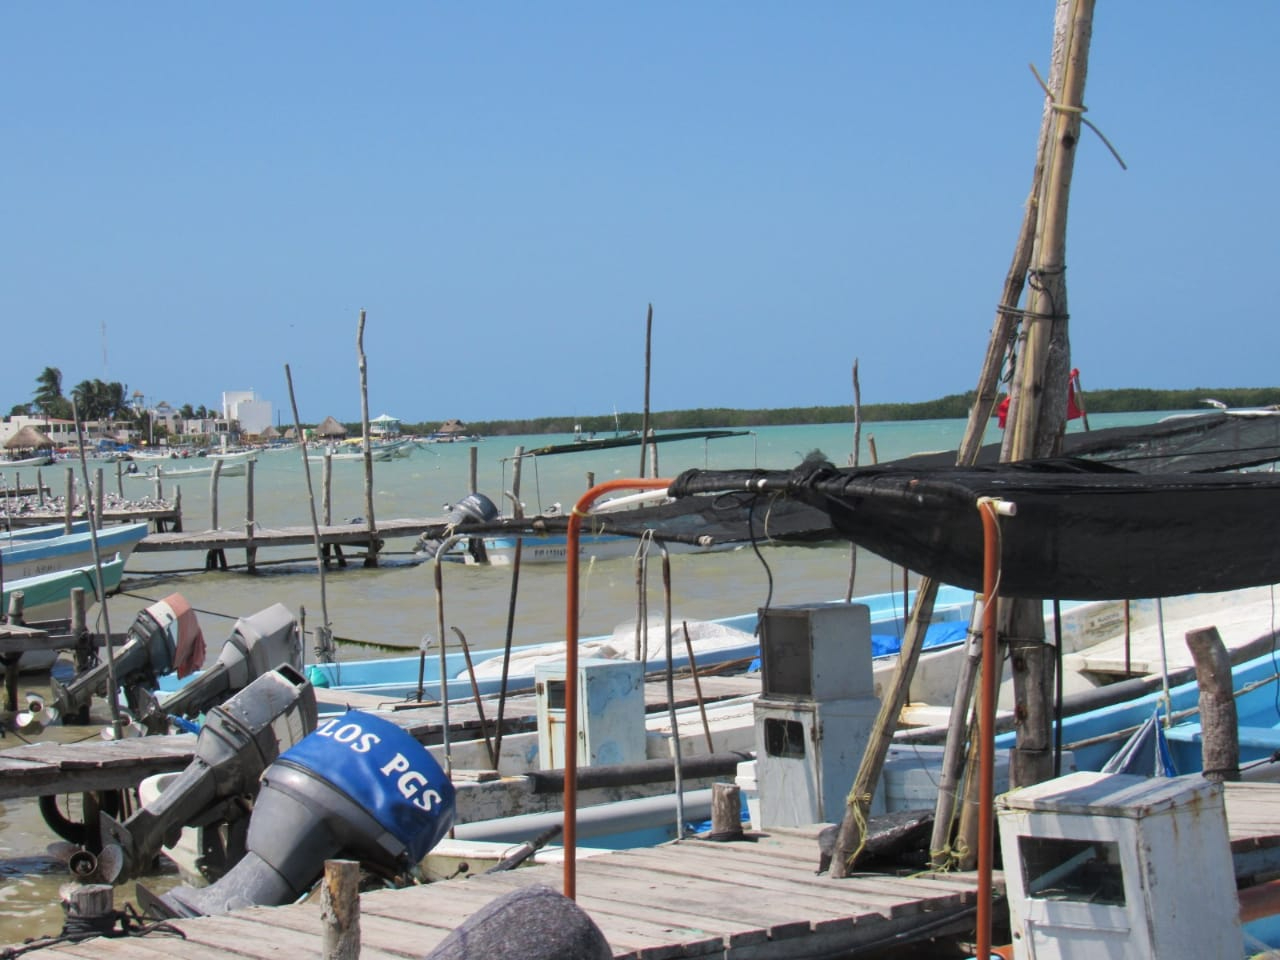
(1060, 107)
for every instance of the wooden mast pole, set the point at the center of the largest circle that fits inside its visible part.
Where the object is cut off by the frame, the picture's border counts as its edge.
(852, 828)
(1038, 408)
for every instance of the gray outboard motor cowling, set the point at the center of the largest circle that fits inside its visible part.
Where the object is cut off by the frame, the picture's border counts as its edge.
(359, 787)
(257, 645)
(474, 506)
(239, 740)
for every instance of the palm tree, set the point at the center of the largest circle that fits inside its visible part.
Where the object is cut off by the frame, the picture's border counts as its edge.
(115, 399)
(48, 391)
(96, 400)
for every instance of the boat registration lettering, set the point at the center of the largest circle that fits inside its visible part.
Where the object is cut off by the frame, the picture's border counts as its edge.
(352, 734)
(411, 783)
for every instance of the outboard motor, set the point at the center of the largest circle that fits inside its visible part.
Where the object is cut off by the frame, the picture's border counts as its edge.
(257, 645)
(151, 649)
(238, 741)
(476, 507)
(360, 787)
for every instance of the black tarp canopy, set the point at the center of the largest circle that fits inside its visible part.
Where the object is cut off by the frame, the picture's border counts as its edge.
(1187, 443)
(1162, 524)
(1083, 530)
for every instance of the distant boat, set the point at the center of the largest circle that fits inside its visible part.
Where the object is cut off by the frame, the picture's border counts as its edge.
(233, 465)
(580, 444)
(36, 556)
(336, 452)
(42, 460)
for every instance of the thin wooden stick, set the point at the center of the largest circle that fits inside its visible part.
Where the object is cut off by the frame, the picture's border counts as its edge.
(644, 420)
(324, 632)
(371, 553)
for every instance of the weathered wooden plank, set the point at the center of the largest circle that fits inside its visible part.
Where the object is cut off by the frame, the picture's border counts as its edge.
(395, 937)
(823, 903)
(262, 939)
(718, 908)
(866, 894)
(647, 937)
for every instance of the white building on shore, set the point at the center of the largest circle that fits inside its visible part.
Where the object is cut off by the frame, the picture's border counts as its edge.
(243, 406)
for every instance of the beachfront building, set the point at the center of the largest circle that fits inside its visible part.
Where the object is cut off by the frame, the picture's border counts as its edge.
(244, 407)
(61, 432)
(385, 426)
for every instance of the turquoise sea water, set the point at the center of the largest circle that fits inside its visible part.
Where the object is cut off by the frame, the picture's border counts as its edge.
(396, 604)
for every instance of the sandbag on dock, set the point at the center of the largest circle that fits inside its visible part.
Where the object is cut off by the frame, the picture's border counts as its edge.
(533, 923)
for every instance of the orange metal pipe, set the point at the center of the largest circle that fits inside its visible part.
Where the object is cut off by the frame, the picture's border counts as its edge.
(987, 718)
(572, 566)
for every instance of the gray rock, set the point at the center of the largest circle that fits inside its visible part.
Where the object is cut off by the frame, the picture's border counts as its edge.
(533, 923)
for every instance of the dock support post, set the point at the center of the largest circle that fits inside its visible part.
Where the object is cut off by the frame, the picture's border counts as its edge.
(213, 494)
(99, 495)
(1220, 745)
(10, 660)
(71, 499)
(726, 811)
(340, 910)
(250, 548)
(89, 904)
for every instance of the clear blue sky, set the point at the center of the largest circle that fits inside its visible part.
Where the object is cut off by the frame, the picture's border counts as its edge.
(506, 186)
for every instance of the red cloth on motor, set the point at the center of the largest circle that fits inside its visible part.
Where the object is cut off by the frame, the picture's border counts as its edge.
(189, 656)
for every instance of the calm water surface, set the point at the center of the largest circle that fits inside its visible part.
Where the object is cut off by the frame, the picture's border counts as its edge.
(396, 604)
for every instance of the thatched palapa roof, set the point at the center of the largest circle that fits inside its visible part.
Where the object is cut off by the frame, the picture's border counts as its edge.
(331, 428)
(452, 426)
(28, 438)
(271, 433)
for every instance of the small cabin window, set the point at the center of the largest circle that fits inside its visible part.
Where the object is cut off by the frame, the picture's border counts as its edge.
(1088, 871)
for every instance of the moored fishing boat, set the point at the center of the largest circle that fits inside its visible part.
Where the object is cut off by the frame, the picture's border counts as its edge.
(48, 554)
(715, 643)
(48, 597)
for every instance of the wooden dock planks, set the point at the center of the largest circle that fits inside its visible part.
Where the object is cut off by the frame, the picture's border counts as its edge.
(755, 899)
(688, 899)
(236, 539)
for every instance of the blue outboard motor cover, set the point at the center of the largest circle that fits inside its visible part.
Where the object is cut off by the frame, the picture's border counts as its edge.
(384, 770)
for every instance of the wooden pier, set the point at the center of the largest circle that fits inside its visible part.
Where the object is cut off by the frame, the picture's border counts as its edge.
(251, 538)
(748, 900)
(759, 898)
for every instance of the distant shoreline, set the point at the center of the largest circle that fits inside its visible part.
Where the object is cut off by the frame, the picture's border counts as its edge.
(952, 407)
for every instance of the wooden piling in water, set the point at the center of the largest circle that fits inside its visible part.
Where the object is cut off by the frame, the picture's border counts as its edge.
(1219, 723)
(213, 493)
(10, 660)
(250, 549)
(71, 499)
